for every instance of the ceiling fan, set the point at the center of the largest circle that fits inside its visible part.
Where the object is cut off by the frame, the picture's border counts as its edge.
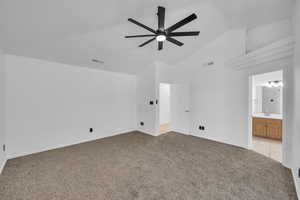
(162, 34)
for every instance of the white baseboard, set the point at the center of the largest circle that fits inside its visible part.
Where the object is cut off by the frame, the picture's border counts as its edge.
(157, 134)
(16, 155)
(147, 132)
(2, 165)
(220, 141)
(296, 180)
(180, 131)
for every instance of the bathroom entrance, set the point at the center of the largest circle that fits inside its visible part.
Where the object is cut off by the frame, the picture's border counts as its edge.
(267, 114)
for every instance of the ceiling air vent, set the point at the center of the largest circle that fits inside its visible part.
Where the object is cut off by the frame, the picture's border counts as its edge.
(97, 61)
(208, 64)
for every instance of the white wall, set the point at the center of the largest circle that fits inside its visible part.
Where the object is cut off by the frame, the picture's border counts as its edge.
(219, 95)
(219, 100)
(50, 105)
(261, 36)
(257, 91)
(2, 113)
(147, 90)
(296, 103)
(164, 103)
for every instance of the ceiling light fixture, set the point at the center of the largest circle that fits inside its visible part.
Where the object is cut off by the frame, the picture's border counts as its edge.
(161, 38)
(274, 84)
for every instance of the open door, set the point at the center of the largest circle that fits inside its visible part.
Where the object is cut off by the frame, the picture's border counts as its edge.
(180, 108)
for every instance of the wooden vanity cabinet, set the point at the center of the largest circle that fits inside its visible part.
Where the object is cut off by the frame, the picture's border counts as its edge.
(268, 128)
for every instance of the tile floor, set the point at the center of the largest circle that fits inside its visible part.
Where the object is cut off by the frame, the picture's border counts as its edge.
(268, 147)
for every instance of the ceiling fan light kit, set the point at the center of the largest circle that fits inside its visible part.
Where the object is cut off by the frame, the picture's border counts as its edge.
(161, 38)
(162, 34)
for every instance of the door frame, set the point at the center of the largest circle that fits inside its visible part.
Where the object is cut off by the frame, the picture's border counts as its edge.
(158, 124)
(285, 72)
(158, 107)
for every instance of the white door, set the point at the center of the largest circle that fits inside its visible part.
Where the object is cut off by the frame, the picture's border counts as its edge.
(180, 108)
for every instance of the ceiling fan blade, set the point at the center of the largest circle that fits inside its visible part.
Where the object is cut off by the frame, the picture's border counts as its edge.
(135, 36)
(148, 41)
(188, 33)
(160, 45)
(142, 25)
(182, 23)
(175, 41)
(161, 18)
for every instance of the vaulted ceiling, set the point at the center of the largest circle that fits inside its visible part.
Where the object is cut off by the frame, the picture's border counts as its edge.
(74, 32)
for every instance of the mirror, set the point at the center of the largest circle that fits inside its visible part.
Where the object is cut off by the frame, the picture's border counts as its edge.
(268, 100)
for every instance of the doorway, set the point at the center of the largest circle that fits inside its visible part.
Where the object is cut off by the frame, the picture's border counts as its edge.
(174, 108)
(267, 114)
(164, 108)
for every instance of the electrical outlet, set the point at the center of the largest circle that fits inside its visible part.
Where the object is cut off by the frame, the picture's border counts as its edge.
(202, 128)
(142, 123)
(91, 130)
(4, 147)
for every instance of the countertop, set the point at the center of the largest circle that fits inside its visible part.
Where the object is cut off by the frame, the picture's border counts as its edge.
(270, 116)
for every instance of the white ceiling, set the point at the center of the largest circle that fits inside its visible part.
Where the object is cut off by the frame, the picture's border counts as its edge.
(76, 31)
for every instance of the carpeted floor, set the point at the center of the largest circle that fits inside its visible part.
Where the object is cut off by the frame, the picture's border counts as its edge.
(136, 166)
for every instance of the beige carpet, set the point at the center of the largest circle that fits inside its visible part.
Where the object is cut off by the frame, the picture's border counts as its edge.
(138, 166)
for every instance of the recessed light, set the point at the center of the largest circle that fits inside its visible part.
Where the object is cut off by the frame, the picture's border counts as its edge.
(97, 61)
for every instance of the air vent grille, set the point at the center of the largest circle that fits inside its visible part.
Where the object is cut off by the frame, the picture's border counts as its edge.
(97, 61)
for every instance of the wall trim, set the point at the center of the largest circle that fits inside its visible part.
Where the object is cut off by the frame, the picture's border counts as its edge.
(220, 141)
(280, 49)
(16, 155)
(179, 131)
(2, 166)
(296, 183)
(148, 133)
(198, 136)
